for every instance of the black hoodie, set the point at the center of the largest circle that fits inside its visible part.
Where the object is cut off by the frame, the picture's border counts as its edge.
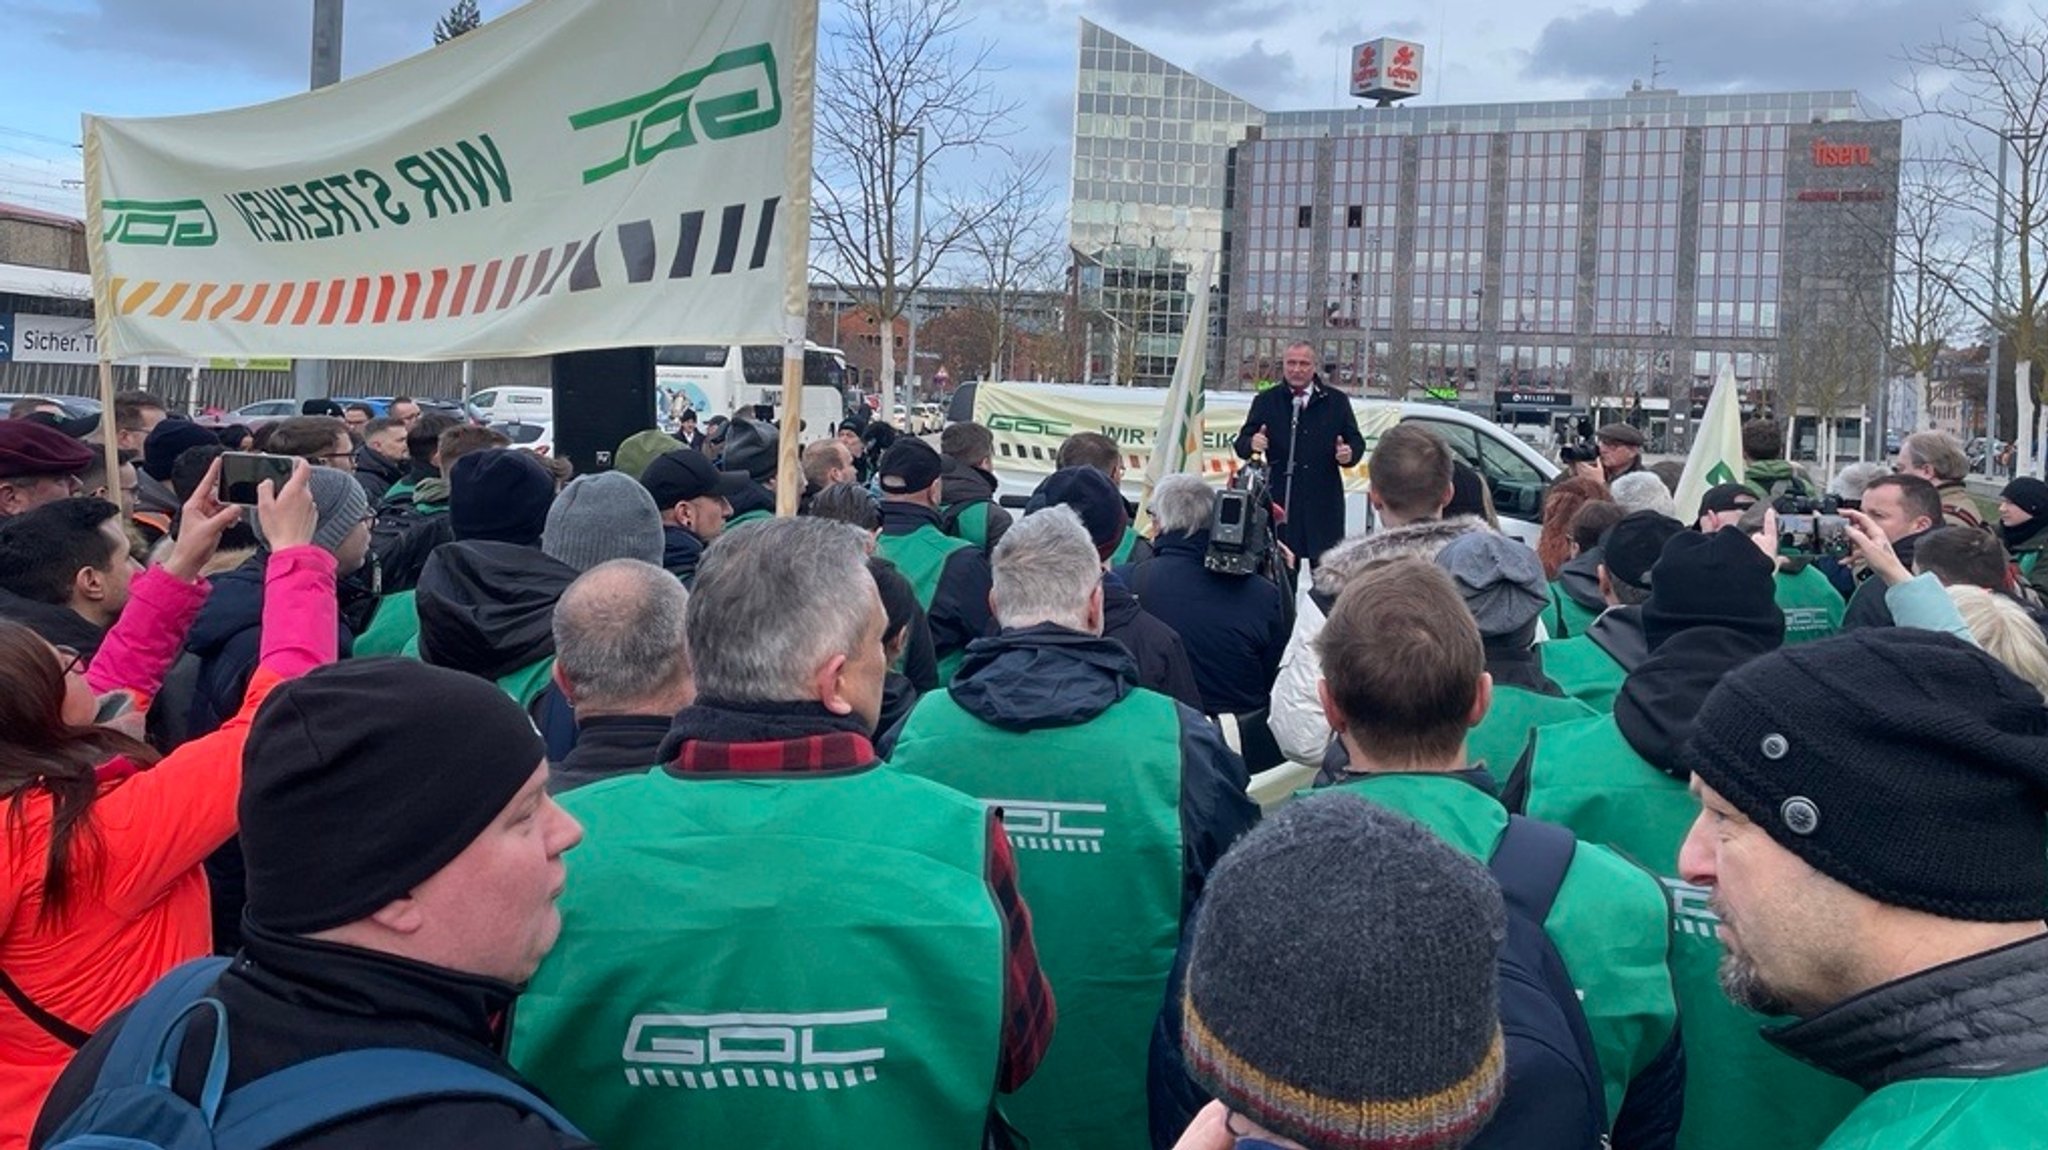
(489, 608)
(1660, 700)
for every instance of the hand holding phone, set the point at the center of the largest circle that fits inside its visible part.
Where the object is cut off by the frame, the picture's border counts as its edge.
(241, 472)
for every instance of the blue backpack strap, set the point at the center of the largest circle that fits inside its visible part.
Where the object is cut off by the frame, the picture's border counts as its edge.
(299, 1099)
(133, 1055)
(1530, 864)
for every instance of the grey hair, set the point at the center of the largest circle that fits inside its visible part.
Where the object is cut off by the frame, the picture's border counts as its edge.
(1045, 569)
(1183, 503)
(773, 602)
(1854, 478)
(1644, 491)
(620, 634)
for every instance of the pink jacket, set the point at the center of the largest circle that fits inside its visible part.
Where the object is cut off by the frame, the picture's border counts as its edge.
(148, 911)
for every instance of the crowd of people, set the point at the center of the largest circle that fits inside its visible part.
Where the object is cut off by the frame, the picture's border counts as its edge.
(441, 797)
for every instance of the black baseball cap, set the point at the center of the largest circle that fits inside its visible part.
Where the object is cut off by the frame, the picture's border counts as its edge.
(1728, 497)
(688, 474)
(910, 465)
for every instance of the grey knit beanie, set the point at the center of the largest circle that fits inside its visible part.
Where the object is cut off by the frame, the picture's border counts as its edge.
(601, 517)
(341, 503)
(1341, 986)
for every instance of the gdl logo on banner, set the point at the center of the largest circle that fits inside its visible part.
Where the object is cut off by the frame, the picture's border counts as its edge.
(833, 1050)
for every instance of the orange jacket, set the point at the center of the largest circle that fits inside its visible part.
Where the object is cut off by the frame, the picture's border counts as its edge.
(146, 909)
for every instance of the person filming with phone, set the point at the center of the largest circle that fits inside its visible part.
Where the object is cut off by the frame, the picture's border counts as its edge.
(1308, 435)
(104, 887)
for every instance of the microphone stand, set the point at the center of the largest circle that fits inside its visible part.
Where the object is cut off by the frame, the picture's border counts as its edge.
(1293, 433)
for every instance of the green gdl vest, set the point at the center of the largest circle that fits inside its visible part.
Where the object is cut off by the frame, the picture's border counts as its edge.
(756, 961)
(1608, 923)
(1739, 1090)
(1947, 1114)
(1093, 813)
(921, 555)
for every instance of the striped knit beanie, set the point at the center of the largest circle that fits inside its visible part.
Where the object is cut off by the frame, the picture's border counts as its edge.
(1341, 987)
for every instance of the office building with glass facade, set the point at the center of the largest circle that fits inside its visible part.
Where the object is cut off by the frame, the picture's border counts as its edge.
(1529, 261)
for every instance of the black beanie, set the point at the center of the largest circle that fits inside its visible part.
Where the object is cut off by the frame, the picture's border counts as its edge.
(357, 787)
(1718, 580)
(2028, 494)
(500, 496)
(170, 439)
(1094, 499)
(1905, 764)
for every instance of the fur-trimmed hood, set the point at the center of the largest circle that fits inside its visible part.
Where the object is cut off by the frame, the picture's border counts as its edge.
(1358, 552)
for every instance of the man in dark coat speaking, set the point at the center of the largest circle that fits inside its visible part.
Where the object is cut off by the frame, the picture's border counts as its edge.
(1308, 433)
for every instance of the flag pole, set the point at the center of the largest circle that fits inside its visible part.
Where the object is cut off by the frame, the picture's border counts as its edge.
(102, 309)
(796, 215)
(1178, 437)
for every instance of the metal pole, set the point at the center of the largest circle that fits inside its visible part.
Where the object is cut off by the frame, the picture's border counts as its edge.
(916, 242)
(309, 376)
(1997, 311)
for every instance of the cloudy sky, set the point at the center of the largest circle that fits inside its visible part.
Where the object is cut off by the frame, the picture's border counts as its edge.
(59, 58)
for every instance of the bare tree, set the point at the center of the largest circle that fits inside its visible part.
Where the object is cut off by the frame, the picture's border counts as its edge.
(1986, 85)
(1924, 312)
(1017, 248)
(890, 69)
(463, 17)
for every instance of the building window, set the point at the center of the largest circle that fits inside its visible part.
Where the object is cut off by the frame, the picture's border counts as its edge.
(1304, 216)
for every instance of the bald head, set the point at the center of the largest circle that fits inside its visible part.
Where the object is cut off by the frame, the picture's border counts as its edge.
(620, 646)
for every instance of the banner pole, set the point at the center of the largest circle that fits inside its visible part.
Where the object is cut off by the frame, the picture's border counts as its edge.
(796, 215)
(110, 436)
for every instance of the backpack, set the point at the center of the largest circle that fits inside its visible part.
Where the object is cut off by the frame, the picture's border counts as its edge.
(1554, 1095)
(133, 1106)
(951, 521)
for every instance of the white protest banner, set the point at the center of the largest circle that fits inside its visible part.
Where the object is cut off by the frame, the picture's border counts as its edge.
(574, 174)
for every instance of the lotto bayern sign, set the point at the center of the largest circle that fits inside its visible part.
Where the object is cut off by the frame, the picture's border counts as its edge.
(1386, 70)
(573, 174)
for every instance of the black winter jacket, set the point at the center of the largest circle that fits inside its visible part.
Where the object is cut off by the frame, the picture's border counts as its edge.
(608, 746)
(56, 624)
(1235, 629)
(290, 1000)
(376, 474)
(680, 551)
(1162, 659)
(1317, 509)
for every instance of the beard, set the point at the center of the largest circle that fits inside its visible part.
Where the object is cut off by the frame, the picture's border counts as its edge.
(1745, 987)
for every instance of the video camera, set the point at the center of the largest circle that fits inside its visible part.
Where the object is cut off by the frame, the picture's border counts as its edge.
(1241, 529)
(1571, 453)
(1809, 526)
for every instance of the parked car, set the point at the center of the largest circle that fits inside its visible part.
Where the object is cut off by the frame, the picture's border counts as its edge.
(73, 405)
(535, 435)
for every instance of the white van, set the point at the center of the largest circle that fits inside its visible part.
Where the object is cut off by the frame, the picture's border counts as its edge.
(746, 379)
(1029, 421)
(513, 405)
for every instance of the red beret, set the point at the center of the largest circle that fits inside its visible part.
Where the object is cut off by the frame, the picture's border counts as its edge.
(29, 447)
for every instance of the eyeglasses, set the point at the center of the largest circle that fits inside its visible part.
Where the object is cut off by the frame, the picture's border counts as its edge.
(72, 659)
